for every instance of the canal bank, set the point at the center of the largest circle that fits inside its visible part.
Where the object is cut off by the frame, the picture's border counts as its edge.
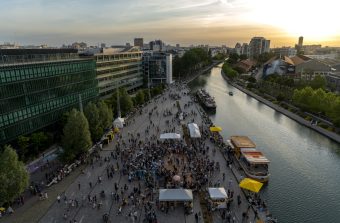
(287, 113)
(305, 165)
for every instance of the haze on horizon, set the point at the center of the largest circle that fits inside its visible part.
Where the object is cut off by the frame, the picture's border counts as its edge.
(214, 22)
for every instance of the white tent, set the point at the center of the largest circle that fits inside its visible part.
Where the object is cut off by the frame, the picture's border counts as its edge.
(175, 195)
(170, 136)
(194, 130)
(119, 122)
(217, 193)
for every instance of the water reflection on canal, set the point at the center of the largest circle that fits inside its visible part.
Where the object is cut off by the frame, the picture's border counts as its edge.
(305, 166)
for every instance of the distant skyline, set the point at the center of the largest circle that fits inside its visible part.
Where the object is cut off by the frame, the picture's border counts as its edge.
(213, 22)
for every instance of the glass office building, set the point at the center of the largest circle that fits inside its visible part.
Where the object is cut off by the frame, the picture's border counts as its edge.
(118, 69)
(38, 85)
(157, 67)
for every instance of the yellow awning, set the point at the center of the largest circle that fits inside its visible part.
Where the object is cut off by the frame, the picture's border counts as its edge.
(250, 184)
(215, 129)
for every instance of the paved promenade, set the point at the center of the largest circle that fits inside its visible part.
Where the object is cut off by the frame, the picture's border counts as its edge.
(82, 201)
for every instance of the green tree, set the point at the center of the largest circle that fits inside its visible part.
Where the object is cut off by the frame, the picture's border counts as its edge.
(318, 82)
(39, 140)
(335, 112)
(146, 95)
(264, 57)
(126, 103)
(243, 57)
(251, 79)
(23, 143)
(139, 97)
(105, 115)
(92, 115)
(76, 137)
(13, 175)
(233, 58)
(230, 72)
(191, 61)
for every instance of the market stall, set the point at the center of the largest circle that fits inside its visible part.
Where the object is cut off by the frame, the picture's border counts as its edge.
(194, 130)
(170, 197)
(170, 136)
(218, 198)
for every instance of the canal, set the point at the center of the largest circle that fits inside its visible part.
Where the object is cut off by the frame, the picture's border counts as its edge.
(305, 166)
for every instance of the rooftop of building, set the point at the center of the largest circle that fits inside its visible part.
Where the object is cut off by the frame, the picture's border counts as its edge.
(36, 51)
(272, 59)
(299, 59)
(288, 60)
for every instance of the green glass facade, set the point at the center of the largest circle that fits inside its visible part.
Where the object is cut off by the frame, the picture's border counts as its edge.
(35, 95)
(122, 69)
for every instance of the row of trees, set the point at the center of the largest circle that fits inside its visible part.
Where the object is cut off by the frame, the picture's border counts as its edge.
(233, 58)
(318, 101)
(191, 61)
(30, 145)
(99, 117)
(282, 88)
(82, 129)
(318, 81)
(230, 72)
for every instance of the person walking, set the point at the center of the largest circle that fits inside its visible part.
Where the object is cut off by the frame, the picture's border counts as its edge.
(58, 199)
(196, 217)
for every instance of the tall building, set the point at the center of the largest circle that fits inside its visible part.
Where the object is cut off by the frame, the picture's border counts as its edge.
(157, 67)
(300, 44)
(138, 42)
(266, 46)
(157, 45)
(118, 69)
(238, 48)
(258, 45)
(245, 49)
(38, 85)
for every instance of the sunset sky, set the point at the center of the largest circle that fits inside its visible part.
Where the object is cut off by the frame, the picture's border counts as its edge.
(213, 22)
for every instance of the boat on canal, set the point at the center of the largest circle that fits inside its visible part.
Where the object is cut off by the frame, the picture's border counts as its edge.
(253, 162)
(205, 99)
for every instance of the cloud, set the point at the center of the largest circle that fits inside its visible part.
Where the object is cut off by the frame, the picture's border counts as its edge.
(116, 21)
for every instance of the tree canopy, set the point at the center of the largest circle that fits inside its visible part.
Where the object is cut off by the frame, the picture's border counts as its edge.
(140, 99)
(13, 175)
(191, 60)
(125, 101)
(318, 101)
(230, 72)
(76, 137)
(318, 82)
(92, 115)
(105, 114)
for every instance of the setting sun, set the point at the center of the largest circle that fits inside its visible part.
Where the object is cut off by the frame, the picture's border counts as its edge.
(314, 19)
